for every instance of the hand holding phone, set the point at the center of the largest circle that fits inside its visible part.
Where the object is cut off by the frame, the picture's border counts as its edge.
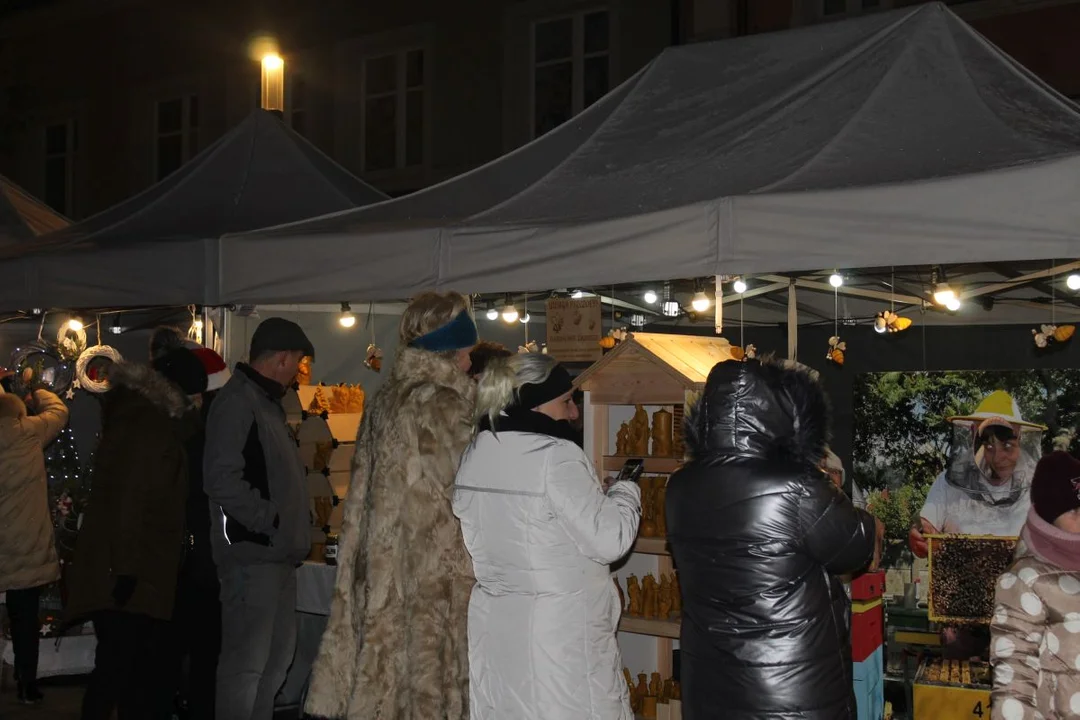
(630, 472)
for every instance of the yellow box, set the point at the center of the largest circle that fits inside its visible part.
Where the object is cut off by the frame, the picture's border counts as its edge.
(951, 702)
(912, 637)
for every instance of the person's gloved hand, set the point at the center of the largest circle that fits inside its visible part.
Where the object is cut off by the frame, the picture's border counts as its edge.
(124, 589)
(917, 542)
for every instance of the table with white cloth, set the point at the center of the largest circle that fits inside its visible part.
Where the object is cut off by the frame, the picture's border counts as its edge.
(314, 591)
(70, 654)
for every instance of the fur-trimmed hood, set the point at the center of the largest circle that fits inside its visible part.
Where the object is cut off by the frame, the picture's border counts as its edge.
(767, 409)
(151, 385)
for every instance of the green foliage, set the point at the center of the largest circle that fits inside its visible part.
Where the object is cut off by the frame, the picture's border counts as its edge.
(901, 433)
(897, 509)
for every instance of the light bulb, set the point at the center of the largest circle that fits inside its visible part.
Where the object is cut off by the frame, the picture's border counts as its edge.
(650, 297)
(836, 280)
(197, 324)
(492, 313)
(75, 324)
(700, 302)
(577, 294)
(347, 320)
(116, 329)
(739, 286)
(953, 304)
(524, 318)
(509, 314)
(1073, 282)
(943, 294)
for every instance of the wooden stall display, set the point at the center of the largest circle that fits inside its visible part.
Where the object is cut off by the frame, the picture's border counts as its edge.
(647, 380)
(325, 420)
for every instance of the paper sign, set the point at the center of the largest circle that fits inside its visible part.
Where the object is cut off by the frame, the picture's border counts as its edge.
(574, 329)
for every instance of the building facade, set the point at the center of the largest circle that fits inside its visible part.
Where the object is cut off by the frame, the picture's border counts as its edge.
(99, 99)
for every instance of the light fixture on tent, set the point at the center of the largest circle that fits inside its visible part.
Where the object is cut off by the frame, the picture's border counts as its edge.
(943, 293)
(36, 311)
(650, 297)
(492, 313)
(75, 324)
(953, 304)
(670, 308)
(509, 312)
(347, 319)
(1073, 282)
(577, 294)
(116, 328)
(836, 280)
(637, 320)
(701, 302)
(524, 319)
(273, 83)
(739, 286)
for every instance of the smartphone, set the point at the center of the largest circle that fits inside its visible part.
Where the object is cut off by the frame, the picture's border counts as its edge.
(631, 470)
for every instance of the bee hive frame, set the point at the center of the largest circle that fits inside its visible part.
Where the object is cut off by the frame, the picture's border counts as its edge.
(989, 575)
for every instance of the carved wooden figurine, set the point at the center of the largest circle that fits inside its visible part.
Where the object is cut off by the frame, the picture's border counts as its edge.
(665, 601)
(633, 591)
(647, 528)
(642, 689)
(659, 499)
(303, 371)
(639, 433)
(656, 685)
(661, 433)
(622, 441)
(630, 688)
(649, 589)
(668, 691)
(678, 448)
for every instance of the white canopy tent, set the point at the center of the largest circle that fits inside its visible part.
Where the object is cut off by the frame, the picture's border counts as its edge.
(897, 138)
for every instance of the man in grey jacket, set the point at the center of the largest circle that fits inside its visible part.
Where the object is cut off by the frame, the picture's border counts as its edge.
(257, 487)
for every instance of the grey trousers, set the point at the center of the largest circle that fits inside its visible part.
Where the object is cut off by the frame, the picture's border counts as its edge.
(258, 638)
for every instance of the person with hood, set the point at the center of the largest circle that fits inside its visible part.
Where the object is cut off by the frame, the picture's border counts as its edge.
(28, 559)
(759, 535)
(129, 551)
(1035, 631)
(542, 533)
(396, 644)
(261, 526)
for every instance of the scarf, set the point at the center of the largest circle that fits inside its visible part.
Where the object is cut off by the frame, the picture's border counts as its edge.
(1051, 543)
(518, 419)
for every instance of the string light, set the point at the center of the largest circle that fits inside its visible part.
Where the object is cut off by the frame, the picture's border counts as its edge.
(836, 280)
(75, 324)
(953, 304)
(650, 297)
(509, 312)
(739, 286)
(701, 302)
(347, 319)
(577, 294)
(492, 313)
(1073, 282)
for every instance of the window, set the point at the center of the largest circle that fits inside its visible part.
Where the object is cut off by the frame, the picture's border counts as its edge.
(177, 125)
(834, 7)
(298, 104)
(392, 118)
(571, 67)
(60, 146)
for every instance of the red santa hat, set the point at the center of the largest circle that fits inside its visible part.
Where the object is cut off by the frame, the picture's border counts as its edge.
(217, 372)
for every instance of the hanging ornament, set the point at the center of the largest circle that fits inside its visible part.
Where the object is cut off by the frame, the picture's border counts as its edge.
(613, 338)
(374, 355)
(70, 341)
(92, 368)
(1047, 335)
(837, 348)
(890, 322)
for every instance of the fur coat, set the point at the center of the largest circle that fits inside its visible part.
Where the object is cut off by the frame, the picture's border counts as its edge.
(396, 645)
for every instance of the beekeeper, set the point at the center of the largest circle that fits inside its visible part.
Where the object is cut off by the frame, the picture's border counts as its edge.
(984, 489)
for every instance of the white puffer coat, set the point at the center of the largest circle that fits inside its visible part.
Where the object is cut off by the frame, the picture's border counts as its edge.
(544, 611)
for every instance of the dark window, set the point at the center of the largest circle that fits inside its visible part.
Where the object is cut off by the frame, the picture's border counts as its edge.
(394, 122)
(59, 146)
(380, 133)
(56, 183)
(554, 40)
(554, 96)
(571, 67)
(177, 134)
(834, 7)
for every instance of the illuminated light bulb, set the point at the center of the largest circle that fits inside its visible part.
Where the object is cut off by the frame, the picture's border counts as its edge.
(272, 61)
(577, 294)
(197, 324)
(739, 286)
(943, 294)
(524, 318)
(347, 319)
(953, 304)
(700, 302)
(650, 297)
(509, 314)
(1073, 282)
(75, 324)
(492, 313)
(836, 280)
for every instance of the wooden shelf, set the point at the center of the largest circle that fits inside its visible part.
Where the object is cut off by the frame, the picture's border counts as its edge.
(661, 466)
(651, 546)
(655, 628)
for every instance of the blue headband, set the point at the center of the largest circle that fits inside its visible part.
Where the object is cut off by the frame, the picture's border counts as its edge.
(458, 334)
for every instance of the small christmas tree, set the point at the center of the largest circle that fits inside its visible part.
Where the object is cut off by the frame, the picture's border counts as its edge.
(69, 490)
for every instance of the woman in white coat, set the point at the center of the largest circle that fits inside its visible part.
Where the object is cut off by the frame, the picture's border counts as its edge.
(541, 531)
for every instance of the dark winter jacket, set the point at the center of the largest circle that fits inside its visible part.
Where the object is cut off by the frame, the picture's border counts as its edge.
(134, 523)
(254, 476)
(758, 534)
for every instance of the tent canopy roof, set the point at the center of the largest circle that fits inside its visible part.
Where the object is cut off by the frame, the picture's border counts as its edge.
(889, 138)
(23, 217)
(260, 173)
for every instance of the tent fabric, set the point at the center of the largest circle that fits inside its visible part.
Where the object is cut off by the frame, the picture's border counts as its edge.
(900, 137)
(23, 217)
(159, 247)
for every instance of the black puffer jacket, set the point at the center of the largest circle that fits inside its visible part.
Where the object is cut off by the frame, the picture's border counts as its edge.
(758, 534)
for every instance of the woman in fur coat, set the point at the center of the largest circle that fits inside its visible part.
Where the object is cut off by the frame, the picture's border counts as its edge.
(396, 646)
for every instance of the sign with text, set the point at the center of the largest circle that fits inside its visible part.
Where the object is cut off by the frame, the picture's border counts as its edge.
(574, 329)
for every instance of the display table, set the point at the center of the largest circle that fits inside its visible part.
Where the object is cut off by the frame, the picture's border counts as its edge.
(68, 655)
(314, 591)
